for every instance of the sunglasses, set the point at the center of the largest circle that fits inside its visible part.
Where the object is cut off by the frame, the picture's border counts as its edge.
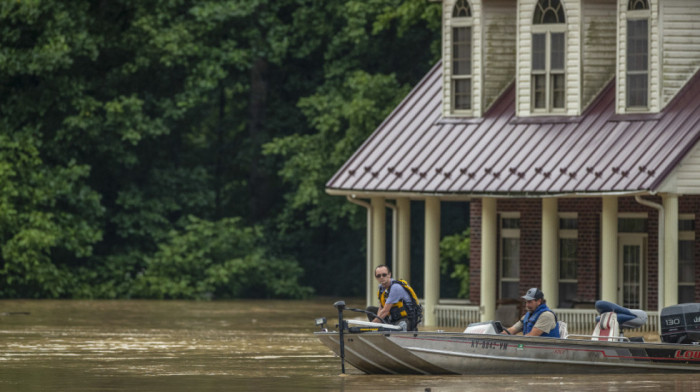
(381, 276)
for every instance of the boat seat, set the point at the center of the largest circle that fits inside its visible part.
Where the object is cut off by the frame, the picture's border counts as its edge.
(607, 327)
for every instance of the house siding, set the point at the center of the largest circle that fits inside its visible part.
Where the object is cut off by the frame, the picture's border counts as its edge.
(588, 261)
(681, 44)
(654, 57)
(573, 57)
(499, 21)
(599, 37)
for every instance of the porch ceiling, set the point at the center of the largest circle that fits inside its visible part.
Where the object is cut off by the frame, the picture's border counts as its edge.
(416, 150)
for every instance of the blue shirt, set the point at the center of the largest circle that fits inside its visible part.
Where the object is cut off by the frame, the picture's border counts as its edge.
(397, 293)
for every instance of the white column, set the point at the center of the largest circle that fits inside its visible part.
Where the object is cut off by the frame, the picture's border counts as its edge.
(489, 246)
(609, 250)
(432, 259)
(378, 237)
(550, 240)
(670, 288)
(404, 238)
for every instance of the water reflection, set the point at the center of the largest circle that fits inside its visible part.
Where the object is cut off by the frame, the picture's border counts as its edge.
(220, 346)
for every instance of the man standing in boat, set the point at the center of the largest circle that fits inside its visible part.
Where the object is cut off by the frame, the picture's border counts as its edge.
(398, 302)
(539, 319)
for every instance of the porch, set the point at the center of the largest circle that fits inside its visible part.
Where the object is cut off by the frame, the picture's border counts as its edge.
(578, 321)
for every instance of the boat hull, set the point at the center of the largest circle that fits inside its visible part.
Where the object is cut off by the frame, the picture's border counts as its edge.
(458, 353)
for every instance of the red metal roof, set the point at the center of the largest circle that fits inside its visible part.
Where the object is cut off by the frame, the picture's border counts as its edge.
(416, 150)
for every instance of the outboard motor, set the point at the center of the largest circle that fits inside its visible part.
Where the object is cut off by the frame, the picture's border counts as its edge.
(681, 324)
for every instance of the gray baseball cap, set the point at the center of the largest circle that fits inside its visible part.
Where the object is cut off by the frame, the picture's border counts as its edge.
(533, 293)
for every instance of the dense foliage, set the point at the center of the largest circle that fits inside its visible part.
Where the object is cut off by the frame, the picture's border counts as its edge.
(179, 148)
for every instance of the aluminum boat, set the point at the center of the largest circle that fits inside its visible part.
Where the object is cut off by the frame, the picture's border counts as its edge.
(376, 348)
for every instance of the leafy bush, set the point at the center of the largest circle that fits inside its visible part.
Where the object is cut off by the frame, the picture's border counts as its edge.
(219, 259)
(454, 256)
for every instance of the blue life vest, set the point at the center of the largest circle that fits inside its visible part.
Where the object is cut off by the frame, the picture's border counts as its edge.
(530, 319)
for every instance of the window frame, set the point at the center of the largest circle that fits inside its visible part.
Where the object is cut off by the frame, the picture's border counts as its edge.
(461, 22)
(548, 30)
(504, 234)
(686, 235)
(637, 15)
(567, 234)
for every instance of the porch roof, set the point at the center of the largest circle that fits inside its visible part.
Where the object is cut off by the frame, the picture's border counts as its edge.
(416, 150)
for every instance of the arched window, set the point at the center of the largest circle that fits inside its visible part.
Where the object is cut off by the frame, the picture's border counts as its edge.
(637, 69)
(638, 5)
(548, 57)
(549, 11)
(461, 56)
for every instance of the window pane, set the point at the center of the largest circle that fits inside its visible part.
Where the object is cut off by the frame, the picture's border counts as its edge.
(637, 87)
(686, 294)
(632, 225)
(462, 64)
(510, 290)
(686, 262)
(637, 45)
(557, 54)
(539, 93)
(510, 223)
(558, 91)
(462, 94)
(567, 294)
(538, 52)
(567, 258)
(568, 223)
(686, 225)
(511, 258)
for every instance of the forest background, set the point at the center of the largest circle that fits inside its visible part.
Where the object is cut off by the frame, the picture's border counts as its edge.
(179, 149)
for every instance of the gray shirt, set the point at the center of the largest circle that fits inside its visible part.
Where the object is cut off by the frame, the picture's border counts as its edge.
(546, 322)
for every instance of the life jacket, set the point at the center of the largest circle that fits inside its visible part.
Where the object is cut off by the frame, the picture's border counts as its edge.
(411, 310)
(530, 319)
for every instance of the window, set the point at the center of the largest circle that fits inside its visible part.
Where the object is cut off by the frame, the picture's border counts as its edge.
(548, 57)
(568, 252)
(637, 73)
(461, 57)
(686, 258)
(510, 255)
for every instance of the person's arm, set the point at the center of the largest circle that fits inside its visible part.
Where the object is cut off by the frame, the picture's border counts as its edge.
(517, 327)
(382, 313)
(545, 323)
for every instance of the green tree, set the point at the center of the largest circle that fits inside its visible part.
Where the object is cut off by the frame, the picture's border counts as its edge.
(454, 259)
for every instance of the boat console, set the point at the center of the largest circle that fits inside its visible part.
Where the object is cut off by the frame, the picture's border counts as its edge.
(681, 324)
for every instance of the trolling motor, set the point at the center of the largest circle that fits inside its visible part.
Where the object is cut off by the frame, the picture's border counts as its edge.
(340, 305)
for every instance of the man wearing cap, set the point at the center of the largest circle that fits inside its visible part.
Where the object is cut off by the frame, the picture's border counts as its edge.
(539, 319)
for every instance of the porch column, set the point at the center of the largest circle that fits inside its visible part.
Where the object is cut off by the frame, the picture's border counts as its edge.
(378, 237)
(489, 245)
(550, 240)
(404, 238)
(609, 249)
(670, 288)
(432, 260)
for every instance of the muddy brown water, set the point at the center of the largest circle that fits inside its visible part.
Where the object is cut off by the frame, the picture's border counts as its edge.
(167, 346)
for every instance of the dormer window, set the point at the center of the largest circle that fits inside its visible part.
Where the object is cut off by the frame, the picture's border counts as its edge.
(548, 85)
(461, 57)
(637, 70)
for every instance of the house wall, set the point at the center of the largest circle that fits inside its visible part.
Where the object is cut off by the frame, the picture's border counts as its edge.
(573, 57)
(681, 44)
(685, 179)
(499, 26)
(588, 262)
(599, 37)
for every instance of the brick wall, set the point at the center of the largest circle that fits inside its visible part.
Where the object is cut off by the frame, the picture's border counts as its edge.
(588, 262)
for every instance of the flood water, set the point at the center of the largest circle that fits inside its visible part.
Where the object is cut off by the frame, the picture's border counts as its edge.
(167, 346)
